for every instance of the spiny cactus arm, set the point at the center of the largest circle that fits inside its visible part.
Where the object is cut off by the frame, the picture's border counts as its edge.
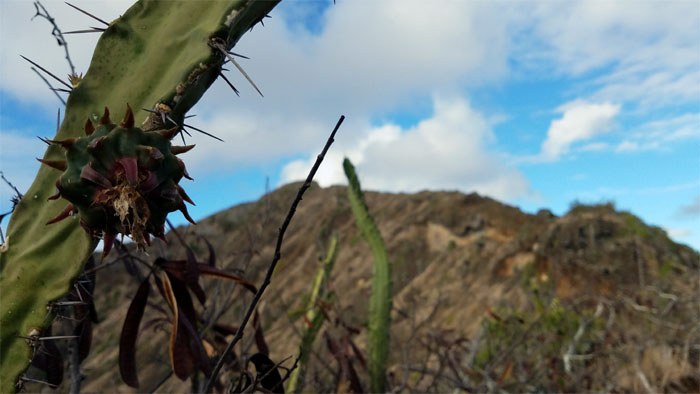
(157, 53)
(314, 317)
(380, 300)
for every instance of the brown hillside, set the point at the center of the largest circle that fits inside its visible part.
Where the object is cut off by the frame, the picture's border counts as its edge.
(486, 297)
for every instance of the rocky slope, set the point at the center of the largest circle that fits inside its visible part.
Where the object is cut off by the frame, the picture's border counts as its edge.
(486, 297)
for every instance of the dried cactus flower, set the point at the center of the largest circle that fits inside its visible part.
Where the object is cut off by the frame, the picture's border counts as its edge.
(120, 179)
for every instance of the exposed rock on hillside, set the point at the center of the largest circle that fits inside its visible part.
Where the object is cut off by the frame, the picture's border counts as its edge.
(486, 297)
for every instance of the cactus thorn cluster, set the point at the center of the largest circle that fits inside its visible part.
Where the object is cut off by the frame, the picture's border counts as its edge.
(75, 79)
(120, 179)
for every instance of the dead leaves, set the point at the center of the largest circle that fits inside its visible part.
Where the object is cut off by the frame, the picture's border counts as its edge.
(175, 281)
(130, 329)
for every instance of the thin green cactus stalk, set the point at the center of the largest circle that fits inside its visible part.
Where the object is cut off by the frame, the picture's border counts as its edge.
(380, 300)
(313, 318)
(160, 55)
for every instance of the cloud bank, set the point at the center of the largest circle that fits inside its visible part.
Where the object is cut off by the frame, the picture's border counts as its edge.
(580, 121)
(448, 151)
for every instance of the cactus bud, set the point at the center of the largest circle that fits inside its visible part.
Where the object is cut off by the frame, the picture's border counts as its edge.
(121, 180)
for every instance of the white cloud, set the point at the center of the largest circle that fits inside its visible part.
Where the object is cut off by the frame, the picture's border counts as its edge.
(401, 51)
(17, 153)
(580, 121)
(690, 210)
(661, 134)
(678, 232)
(251, 139)
(591, 34)
(20, 35)
(652, 90)
(645, 53)
(626, 146)
(371, 57)
(646, 50)
(445, 152)
(594, 147)
(640, 191)
(681, 127)
(404, 50)
(309, 80)
(633, 146)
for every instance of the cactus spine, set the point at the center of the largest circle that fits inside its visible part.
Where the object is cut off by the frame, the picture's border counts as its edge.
(157, 55)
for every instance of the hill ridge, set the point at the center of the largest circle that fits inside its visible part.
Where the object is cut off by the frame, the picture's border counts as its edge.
(461, 262)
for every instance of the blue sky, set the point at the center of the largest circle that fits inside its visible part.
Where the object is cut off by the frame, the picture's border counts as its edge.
(537, 104)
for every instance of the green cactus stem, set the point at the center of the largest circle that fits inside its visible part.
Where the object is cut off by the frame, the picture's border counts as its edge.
(314, 318)
(380, 300)
(157, 55)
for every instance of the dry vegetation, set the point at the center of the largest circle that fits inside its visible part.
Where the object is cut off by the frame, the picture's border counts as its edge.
(486, 298)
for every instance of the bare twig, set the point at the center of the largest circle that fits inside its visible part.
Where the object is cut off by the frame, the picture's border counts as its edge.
(160, 383)
(571, 347)
(218, 311)
(221, 301)
(275, 260)
(177, 234)
(642, 377)
(74, 360)
(289, 372)
(56, 32)
(55, 91)
(19, 195)
(15, 200)
(252, 388)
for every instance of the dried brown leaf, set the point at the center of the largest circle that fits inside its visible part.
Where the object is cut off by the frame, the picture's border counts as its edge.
(207, 270)
(84, 332)
(259, 335)
(127, 342)
(181, 359)
(506, 373)
(270, 378)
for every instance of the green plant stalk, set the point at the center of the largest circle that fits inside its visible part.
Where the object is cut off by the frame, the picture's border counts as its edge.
(156, 53)
(381, 299)
(314, 317)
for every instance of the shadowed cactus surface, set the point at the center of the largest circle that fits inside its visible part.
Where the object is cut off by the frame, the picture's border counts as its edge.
(161, 55)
